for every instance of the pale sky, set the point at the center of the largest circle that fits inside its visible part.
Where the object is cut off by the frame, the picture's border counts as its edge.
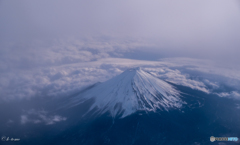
(200, 28)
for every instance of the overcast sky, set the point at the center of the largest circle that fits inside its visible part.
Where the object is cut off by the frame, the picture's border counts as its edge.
(50, 47)
(199, 28)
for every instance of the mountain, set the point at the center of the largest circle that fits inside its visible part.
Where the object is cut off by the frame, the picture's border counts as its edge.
(129, 92)
(133, 108)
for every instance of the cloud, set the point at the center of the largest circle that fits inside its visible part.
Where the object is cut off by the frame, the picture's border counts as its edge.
(24, 119)
(214, 85)
(70, 78)
(58, 80)
(238, 106)
(206, 66)
(197, 29)
(10, 121)
(176, 77)
(68, 46)
(40, 116)
(56, 52)
(233, 94)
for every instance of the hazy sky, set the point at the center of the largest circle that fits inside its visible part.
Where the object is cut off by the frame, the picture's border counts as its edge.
(199, 28)
(50, 47)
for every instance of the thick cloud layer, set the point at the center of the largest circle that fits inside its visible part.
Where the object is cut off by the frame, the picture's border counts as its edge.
(67, 79)
(50, 48)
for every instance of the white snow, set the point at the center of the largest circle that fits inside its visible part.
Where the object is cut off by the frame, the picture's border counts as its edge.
(130, 91)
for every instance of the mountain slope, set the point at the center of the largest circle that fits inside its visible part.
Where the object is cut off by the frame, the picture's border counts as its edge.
(128, 92)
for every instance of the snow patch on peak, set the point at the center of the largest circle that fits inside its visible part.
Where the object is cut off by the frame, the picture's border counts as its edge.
(129, 92)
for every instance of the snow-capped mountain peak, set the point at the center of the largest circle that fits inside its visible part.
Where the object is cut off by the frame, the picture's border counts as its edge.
(132, 90)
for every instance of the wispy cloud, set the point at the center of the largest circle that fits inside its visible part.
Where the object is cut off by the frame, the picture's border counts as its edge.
(56, 52)
(33, 116)
(233, 94)
(176, 77)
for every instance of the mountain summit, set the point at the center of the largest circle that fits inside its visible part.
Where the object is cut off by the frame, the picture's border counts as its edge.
(132, 90)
